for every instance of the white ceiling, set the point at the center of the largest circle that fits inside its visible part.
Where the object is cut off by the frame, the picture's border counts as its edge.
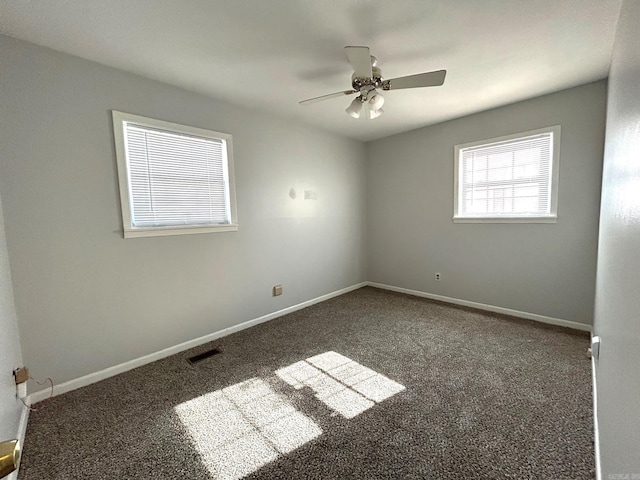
(269, 54)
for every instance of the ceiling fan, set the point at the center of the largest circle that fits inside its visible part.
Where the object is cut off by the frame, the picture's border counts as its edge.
(367, 79)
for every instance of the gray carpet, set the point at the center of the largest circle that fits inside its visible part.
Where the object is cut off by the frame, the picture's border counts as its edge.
(371, 384)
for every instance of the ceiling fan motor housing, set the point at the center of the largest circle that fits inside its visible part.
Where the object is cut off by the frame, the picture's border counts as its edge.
(374, 81)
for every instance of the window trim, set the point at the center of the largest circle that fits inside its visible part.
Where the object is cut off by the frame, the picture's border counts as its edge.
(131, 231)
(555, 174)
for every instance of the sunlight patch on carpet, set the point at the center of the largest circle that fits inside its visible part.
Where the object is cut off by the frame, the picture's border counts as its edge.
(243, 427)
(342, 384)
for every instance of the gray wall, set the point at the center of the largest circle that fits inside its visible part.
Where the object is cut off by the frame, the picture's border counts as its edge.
(10, 351)
(617, 312)
(86, 298)
(544, 269)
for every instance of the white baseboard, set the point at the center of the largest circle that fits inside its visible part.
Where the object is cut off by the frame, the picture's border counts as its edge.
(22, 431)
(489, 308)
(152, 357)
(596, 431)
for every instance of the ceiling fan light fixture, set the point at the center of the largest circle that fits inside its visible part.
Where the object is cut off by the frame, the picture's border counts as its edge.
(375, 101)
(371, 114)
(355, 109)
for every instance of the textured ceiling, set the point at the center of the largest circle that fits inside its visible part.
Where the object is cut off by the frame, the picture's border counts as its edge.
(269, 54)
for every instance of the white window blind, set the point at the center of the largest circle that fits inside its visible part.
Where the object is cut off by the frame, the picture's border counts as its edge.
(509, 179)
(176, 179)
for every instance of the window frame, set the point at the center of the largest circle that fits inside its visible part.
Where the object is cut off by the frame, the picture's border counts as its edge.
(552, 217)
(132, 231)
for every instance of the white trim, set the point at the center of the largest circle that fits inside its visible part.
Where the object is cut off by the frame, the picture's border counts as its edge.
(20, 435)
(596, 431)
(24, 419)
(137, 232)
(505, 219)
(152, 357)
(490, 308)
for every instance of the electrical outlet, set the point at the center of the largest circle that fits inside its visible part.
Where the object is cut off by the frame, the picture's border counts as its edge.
(595, 347)
(21, 375)
(277, 290)
(438, 277)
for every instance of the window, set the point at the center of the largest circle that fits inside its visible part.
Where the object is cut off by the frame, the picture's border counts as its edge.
(508, 179)
(174, 179)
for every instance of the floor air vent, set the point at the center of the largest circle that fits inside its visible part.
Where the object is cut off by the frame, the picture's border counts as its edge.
(203, 356)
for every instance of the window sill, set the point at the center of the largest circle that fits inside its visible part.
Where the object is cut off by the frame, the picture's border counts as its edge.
(165, 231)
(546, 219)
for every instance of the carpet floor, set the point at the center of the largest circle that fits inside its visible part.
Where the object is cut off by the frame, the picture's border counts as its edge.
(371, 384)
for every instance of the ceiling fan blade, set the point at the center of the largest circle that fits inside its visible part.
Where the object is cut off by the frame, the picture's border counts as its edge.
(360, 60)
(429, 79)
(326, 97)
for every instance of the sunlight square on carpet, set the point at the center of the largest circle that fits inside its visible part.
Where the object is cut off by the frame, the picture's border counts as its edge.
(290, 432)
(238, 458)
(347, 403)
(329, 360)
(241, 428)
(298, 374)
(378, 388)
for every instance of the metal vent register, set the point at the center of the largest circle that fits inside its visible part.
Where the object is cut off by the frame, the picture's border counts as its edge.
(203, 356)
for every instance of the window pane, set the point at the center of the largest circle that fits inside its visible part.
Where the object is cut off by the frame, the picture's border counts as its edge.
(506, 178)
(176, 179)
